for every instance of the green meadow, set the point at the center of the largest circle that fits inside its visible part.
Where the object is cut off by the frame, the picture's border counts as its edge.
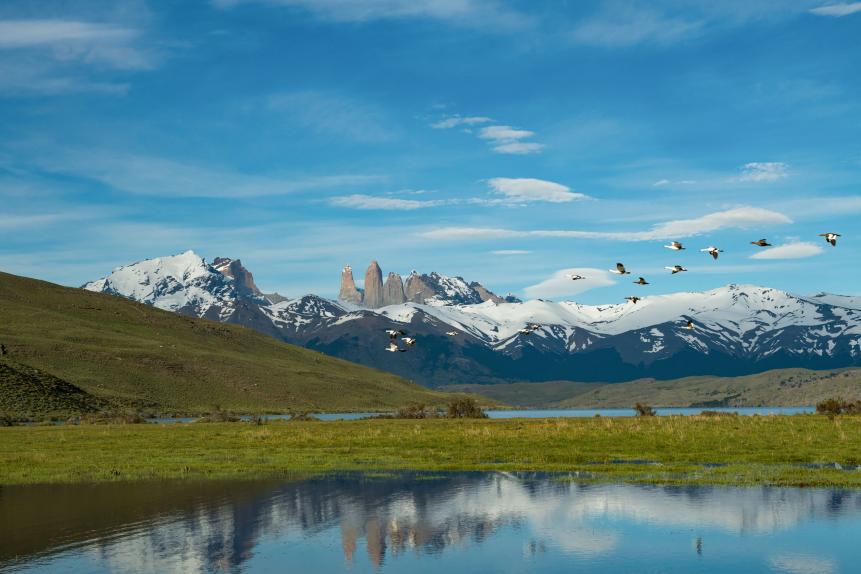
(800, 450)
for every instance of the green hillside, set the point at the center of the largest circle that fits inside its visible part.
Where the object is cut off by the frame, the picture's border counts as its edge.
(781, 387)
(126, 353)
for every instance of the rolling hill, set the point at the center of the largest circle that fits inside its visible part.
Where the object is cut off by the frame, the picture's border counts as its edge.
(68, 344)
(779, 387)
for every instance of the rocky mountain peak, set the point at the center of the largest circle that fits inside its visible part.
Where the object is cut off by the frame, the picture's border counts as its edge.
(241, 276)
(348, 291)
(373, 286)
(393, 290)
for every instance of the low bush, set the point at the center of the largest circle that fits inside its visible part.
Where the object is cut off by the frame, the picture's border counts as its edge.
(644, 410)
(6, 421)
(465, 408)
(415, 411)
(837, 406)
(112, 418)
(219, 416)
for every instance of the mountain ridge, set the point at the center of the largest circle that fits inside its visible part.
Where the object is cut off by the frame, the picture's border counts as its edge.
(734, 330)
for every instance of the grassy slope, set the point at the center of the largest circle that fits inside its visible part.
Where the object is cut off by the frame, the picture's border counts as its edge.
(782, 387)
(131, 353)
(28, 390)
(761, 450)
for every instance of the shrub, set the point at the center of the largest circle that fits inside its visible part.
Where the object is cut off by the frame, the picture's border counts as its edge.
(219, 416)
(465, 408)
(838, 406)
(113, 418)
(644, 410)
(6, 420)
(415, 411)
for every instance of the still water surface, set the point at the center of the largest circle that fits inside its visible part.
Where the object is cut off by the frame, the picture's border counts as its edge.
(549, 413)
(416, 523)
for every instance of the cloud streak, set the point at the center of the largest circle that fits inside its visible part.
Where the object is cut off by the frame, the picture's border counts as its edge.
(561, 285)
(738, 218)
(157, 176)
(529, 190)
(486, 14)
(370, 202)
(455, 121)
(795, 250)
(837, 10)
(767, 171)
(508, 140)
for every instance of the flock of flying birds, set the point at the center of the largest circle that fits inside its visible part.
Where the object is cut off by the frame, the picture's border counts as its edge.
(395, 335)
(711, 250)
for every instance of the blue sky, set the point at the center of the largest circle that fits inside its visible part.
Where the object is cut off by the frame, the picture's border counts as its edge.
(506, 142)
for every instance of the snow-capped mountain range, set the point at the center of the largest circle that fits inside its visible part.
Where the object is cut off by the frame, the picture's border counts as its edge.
(737, 329)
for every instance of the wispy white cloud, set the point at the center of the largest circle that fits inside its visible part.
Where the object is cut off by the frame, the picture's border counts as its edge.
(560, 283)
(837, 10)
(158, 176)
(738, 218)
(455, 121)
(57, 56)
(487, 14)
(625, 25)
(530, 189)
(29, 33)
(502, 138)
(794, 250)
(367, 202)
(759, 171)
(334, 115)
(509, 140)
(510, 252)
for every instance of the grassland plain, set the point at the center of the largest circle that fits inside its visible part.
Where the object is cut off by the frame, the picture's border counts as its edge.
(779, 450)
(75, 347)
(778, 388)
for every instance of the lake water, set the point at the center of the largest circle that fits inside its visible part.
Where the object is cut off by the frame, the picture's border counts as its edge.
(551, 413)
(417, 523)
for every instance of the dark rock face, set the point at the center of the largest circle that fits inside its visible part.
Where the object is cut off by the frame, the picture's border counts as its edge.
(393, 290)
(485, 293)
(416, 290)
(241, 276)
(348, 291)
(373, 286)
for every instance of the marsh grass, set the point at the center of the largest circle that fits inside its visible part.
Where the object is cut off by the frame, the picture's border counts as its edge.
(674, 449)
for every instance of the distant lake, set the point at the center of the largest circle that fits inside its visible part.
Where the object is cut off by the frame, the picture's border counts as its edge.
(418, 523)
(550, 413)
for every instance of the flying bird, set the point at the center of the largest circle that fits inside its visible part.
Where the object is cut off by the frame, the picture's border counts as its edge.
(713, 251)
(409, 341)
(830, 238)
(451, 333)
(393, 348)
(575, 277)
(533, 326)
(620, 270)
(633, 299)
(675, 246)
(690, 324)
(675, 269)
(525, 331)
(641, 281)
(761, 243)
(394, 334)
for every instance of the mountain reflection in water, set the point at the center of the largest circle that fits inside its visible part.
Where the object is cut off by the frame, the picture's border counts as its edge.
(415, 522)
